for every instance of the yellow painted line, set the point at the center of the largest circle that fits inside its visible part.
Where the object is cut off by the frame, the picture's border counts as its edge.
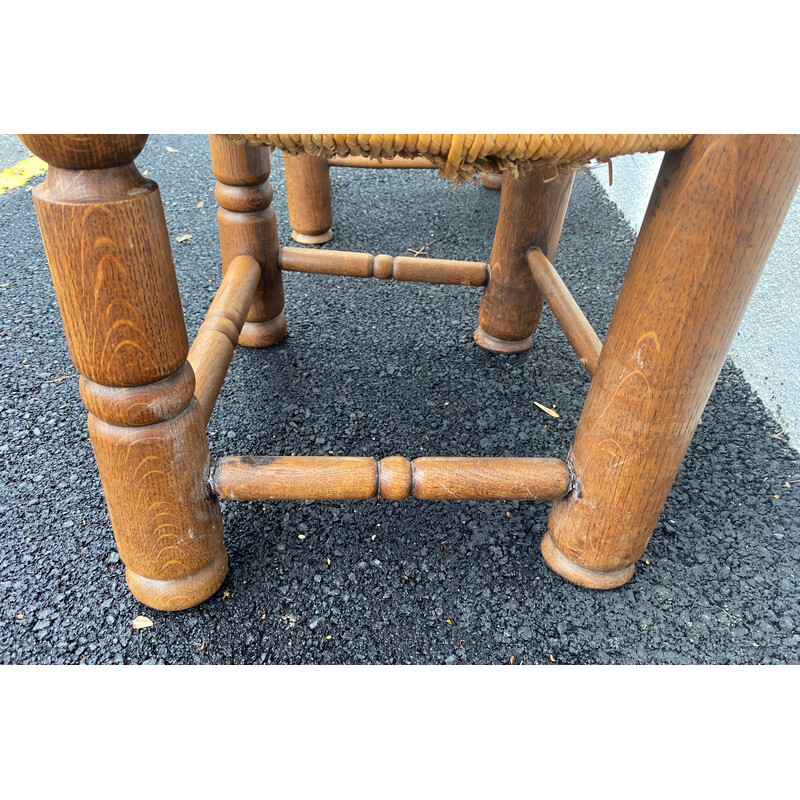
(21, 172)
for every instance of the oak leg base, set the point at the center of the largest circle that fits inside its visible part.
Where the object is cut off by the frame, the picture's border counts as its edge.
(312, 238)
(489, 342)
(589, 578)
(181, 593)
(263, 334)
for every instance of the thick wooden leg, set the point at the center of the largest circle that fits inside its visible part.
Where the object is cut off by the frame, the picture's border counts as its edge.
(713, 217)
(532, 209)
(106, 241)
(308, 191)
(247, 227)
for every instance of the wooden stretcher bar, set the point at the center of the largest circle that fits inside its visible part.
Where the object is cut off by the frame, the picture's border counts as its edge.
(212, 350)
(400, 268)
(398, 162)
(392, 478)
(580, 334)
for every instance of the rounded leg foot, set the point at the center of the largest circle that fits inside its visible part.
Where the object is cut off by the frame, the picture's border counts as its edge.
(181, 593)
(263, 334)
(589, 578)
(489, 342)
(312, 238)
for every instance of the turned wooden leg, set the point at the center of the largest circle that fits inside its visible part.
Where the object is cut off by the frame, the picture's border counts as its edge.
(713, 217)
(532, 209)
(308, 191)
(247, 227)
(108, 249)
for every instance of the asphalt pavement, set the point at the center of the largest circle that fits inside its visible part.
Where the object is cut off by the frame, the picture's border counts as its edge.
(379, 368)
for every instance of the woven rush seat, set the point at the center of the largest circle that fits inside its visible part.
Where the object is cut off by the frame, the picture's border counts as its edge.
(459, 156)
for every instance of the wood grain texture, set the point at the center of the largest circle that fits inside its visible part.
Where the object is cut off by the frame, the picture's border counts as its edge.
(140, 405)
(713, 217)
(212, 350)
(295, 478)
(85, 150)
(580, 334)
(94, 246)
(394, 478)
(247, 226)
(167, 524)
(532, 210)
(106, 240)
(490, 478)
(400, 268)
(308, 193)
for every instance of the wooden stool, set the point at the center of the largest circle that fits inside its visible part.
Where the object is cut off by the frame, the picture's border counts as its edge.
(715, 212)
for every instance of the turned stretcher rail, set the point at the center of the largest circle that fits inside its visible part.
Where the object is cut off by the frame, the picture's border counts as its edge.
(398, 162)
(392, 478)
(580, 334)
(212, 350)
(367, 265)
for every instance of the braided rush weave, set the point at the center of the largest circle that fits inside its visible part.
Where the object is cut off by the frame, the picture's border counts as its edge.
(460, 156)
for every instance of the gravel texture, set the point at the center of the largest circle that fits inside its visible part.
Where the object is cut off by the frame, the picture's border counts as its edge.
(379, 368)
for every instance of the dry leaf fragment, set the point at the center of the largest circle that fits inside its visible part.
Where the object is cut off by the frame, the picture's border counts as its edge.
(547, 410)
(142, 622)
(202, 647)
(184, 238)
(172, 150)
(552, 658)
(200, 204)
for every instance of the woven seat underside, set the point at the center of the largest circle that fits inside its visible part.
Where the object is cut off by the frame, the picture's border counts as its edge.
(460, 156)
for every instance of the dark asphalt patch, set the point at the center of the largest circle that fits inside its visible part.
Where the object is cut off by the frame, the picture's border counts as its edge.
(379, 368)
